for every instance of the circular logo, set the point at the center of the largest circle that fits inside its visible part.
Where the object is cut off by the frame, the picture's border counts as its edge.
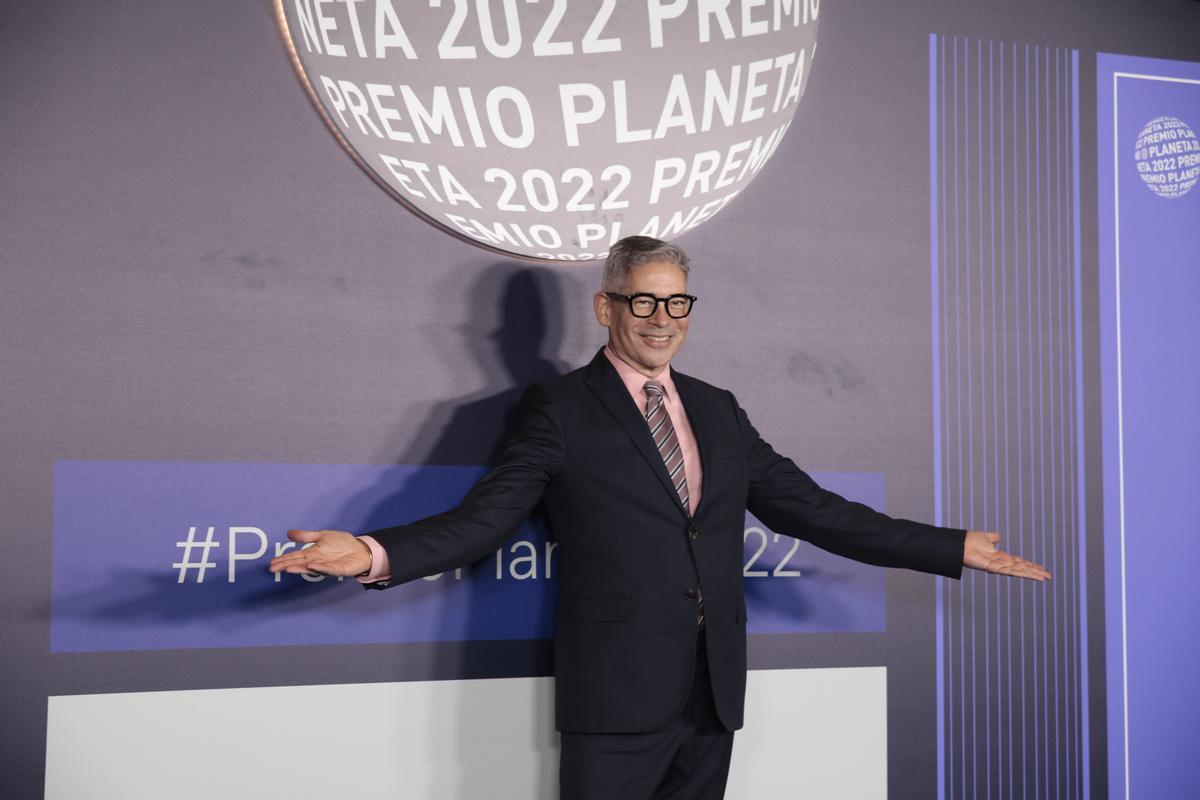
(1167, 154)
(546, 130)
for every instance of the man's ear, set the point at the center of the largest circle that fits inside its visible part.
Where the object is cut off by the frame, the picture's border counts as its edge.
(602, 305)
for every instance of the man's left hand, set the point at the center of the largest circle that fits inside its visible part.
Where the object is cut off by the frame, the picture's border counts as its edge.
(982, 551)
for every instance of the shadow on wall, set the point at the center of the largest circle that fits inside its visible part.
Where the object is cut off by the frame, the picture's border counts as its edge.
(513, 343)
(514, 328)
(508, 341)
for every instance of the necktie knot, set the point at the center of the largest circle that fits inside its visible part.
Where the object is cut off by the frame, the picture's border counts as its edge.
(653, 389)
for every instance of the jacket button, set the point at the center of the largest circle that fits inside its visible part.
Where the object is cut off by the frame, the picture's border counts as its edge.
(693, 534)
(690, 594)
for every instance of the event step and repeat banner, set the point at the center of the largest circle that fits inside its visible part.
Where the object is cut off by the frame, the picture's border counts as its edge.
(288, 264)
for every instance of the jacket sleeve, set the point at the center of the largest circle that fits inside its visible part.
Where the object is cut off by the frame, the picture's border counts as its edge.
(788, 501)
(494, 507)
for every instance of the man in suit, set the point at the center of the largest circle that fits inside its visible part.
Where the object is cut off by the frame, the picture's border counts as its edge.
(646, 474)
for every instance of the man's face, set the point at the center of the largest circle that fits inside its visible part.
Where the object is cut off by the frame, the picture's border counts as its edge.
(647, 344)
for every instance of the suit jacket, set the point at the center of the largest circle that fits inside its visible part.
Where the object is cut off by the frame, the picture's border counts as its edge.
(630, 559)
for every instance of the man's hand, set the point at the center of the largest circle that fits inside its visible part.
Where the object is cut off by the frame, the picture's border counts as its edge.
(334, 553)
(982, 551)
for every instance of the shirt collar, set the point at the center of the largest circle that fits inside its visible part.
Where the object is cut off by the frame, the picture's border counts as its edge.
(635, 381)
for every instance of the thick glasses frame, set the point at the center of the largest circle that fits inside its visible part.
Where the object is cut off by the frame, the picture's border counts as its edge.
(666, 301)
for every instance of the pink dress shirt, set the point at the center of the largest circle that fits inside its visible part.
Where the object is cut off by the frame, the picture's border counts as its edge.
(634, 381)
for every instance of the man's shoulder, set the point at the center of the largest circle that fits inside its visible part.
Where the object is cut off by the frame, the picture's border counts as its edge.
(597, 372)
(557, 388)
(691, 384)
(594, 371)
(572, 380)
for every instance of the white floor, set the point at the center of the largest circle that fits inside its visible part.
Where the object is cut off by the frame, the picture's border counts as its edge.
(809, 734)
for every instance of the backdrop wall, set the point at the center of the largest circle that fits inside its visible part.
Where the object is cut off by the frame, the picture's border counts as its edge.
(216, 326)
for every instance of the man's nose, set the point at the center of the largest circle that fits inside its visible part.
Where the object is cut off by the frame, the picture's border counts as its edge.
(660, 315)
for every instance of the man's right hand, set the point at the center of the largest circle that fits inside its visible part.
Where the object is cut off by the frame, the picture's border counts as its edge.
(332, 553)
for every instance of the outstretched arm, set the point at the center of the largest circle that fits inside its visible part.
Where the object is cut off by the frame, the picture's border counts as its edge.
(789, 501)
(488, 515)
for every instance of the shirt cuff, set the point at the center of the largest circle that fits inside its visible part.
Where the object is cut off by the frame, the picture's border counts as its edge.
(381, 569)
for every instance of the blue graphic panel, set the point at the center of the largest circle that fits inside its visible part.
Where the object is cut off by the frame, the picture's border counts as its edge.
(1149, 162)
(152, 555)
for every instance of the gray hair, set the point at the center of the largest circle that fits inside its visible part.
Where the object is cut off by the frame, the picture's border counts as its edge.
(634, 251)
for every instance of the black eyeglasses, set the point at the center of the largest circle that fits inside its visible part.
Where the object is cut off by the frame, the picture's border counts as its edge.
(643, 304)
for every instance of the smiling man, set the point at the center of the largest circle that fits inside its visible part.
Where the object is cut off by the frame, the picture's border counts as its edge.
(647, 475)
(655, 296)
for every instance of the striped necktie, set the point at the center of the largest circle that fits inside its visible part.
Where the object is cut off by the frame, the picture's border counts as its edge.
(667, 442)
(663, 434)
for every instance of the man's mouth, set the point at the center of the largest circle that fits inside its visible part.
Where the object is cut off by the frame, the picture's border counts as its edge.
(656, 338)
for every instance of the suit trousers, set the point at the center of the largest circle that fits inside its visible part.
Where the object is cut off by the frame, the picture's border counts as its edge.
(686, 760)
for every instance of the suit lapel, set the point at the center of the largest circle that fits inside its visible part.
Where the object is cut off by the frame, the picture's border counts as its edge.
(702, 428)
(603, 380)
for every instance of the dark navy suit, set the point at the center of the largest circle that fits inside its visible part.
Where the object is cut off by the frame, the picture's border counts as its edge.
(631, 562)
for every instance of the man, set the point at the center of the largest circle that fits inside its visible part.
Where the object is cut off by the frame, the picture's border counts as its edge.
(646, 475)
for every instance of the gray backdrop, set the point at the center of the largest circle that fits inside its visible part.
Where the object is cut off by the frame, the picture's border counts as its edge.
(194, 270)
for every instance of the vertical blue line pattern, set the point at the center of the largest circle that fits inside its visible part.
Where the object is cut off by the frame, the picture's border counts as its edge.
(1004, 379)
(1021, 463)
(935, 339)
(992, 521)
(957, 417)
(1006, 350)
(983, 477)
(1083, 746)
(965, 383)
